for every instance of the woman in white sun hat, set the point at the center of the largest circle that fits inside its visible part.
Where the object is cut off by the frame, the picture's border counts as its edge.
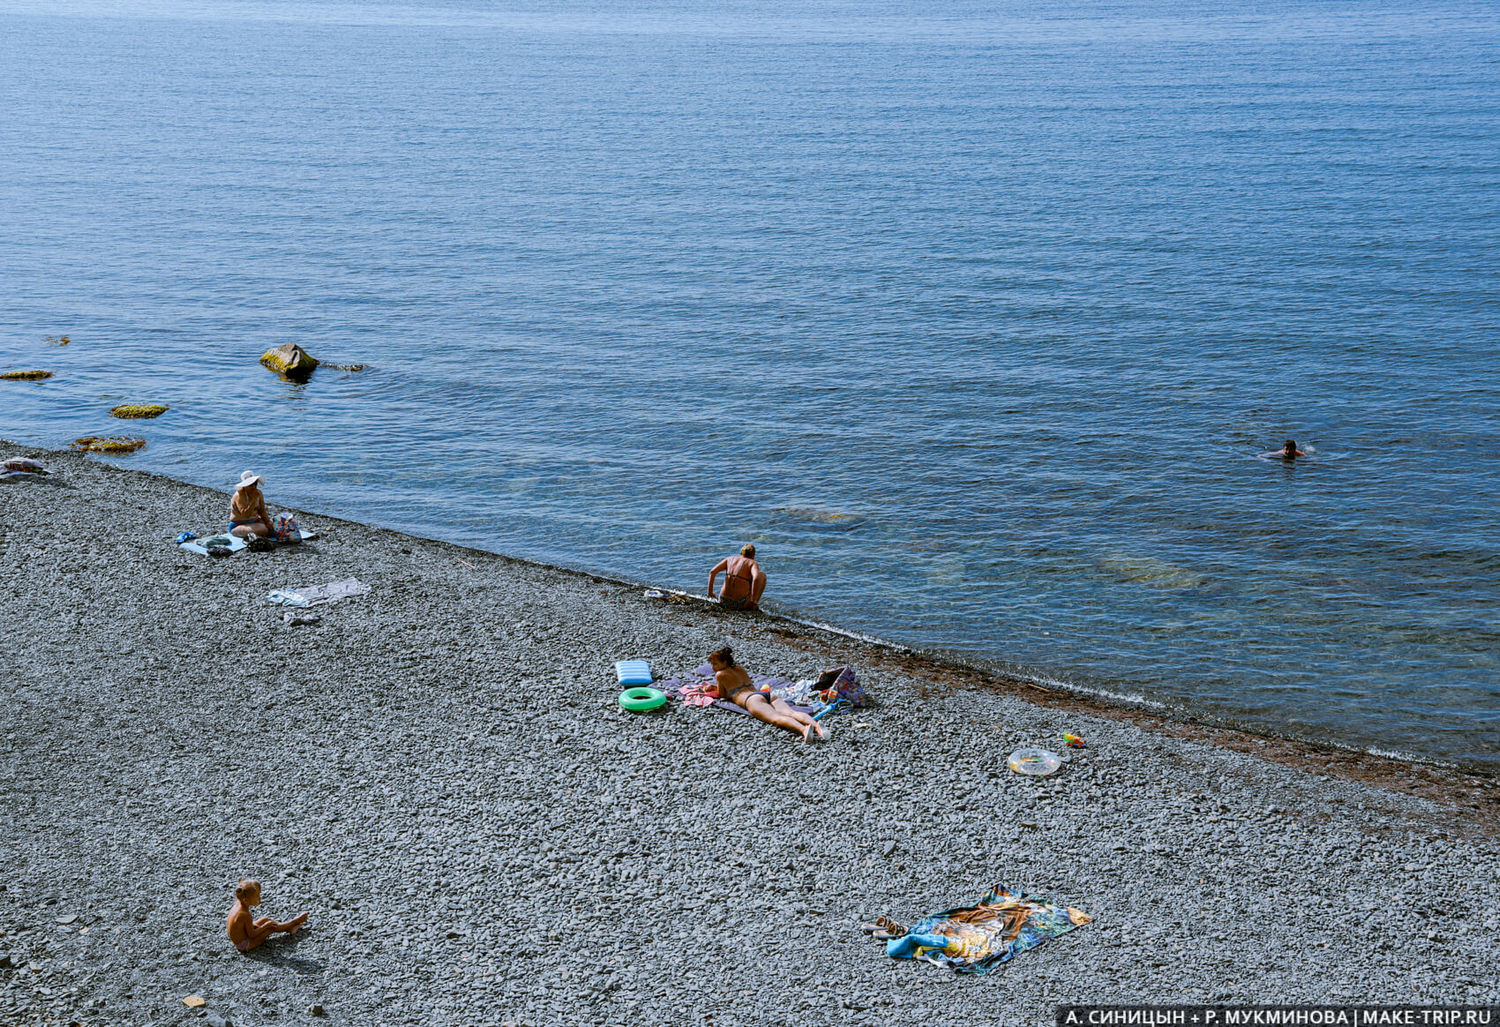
(247, 509)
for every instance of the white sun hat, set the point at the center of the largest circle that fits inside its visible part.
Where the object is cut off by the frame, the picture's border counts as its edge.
(248, 478)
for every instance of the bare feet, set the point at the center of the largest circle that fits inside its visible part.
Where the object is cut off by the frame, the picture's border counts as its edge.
(296, 922)
(813, 725)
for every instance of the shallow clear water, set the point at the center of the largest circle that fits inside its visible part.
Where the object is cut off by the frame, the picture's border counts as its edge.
(973, 320)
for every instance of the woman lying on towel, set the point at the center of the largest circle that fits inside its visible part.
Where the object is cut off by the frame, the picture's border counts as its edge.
(733, 684)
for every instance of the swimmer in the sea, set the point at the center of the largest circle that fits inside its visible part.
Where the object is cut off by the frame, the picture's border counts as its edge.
(1288, 451)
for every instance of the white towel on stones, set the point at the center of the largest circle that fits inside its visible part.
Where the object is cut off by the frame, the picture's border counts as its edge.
(317, 595)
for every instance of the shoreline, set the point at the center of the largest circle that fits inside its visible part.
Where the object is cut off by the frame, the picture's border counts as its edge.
(439, 773)
(1450, 782)
(1406, 772)
(1409, 773)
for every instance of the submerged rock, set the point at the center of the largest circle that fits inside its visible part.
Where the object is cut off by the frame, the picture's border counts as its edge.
(25, 376)
(1147, 570)
(290, 361)
(115, 445)
(822, 516)
(138, 410)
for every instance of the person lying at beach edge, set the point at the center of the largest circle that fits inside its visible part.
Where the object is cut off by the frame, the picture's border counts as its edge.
(744, 581)
(732, 683)
(247, 508)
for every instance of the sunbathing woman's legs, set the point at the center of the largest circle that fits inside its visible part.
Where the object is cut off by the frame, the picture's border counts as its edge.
(777, 712)
(253, 528)
(804, 720)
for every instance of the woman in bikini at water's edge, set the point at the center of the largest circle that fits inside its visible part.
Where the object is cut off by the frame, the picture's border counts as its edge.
(744, 581)
(733, 684)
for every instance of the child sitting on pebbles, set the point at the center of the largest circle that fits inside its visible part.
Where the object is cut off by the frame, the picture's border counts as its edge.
(247, 932)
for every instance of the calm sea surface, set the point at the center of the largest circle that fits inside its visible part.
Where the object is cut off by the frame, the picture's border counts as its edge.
(974, 318)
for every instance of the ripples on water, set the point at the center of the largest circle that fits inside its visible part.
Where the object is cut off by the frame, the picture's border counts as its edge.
(975, 321)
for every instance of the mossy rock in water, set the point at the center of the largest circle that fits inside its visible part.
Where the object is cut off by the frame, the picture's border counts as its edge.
(345, 367)
(115, 445)
(290, 361)
(57, 340)
(139, 410)
(818, 515)
(1147, 570)
(25, 376)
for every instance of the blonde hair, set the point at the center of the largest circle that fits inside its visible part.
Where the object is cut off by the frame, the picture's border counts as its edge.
(748, 550)
(246, 888)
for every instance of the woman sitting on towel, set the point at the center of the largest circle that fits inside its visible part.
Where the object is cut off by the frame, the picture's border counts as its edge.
(247, 510)
(733, 683)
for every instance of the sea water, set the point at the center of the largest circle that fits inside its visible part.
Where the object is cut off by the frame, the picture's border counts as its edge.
(974, 318)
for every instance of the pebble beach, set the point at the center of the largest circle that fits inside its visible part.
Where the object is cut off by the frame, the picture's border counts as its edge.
(438, 772)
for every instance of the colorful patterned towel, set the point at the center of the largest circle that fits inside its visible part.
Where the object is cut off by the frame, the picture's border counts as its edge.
(976, 939)
(16, 465)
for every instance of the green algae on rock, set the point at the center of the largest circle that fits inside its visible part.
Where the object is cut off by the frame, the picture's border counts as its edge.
(25, 376)
(112, 444)
(290, 361)
(821, 516)
(139, 410)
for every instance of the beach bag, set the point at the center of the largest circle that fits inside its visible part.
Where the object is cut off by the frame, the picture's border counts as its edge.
(284, 526)
(838, 683)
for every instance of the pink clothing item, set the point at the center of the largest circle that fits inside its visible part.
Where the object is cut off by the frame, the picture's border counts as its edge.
(697, 695)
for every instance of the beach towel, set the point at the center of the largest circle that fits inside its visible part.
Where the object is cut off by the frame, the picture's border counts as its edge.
(690, 688)
(814, 696)
(201, 546)
(21, 465)
(233, 543)
(976, 939)
(696, 694)
(317, 595)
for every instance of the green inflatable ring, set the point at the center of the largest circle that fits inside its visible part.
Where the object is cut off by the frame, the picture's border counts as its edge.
(639, 700)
